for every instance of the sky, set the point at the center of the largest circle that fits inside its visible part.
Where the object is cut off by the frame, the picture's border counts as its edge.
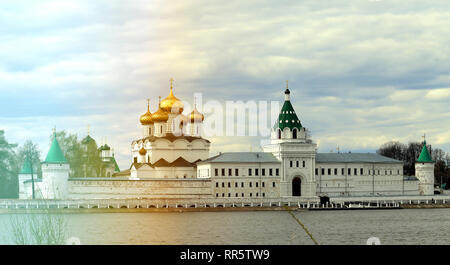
(361, 73)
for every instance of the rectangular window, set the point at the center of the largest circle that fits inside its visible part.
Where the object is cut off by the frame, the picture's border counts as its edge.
(290, 163)
(361, 172)
(317, 171)
(304, 164)
(216, 172)
(249, 171)
(217, 184)
(235, 184)
(398, 172)
(229, 184)
(263, 184)
(251, 194)
(229, 194)
(256, 184)
(273, 184)
(264, 195)
(223, 184)
(236, 172)
(217, 194)
(263, 171)
(242, 184)
(223, 194)
(342, 172)
(335, 171)
(277, 171)
(323, 171)
(236, 194)
(223, 171)
(329, 171)
(230, 172)
(297, 163)
(349, 171)
(270, 172)
(242, 194)
(355, 170)
(256, 172)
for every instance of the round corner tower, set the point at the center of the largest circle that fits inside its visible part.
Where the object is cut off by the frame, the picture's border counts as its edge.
(425, 172)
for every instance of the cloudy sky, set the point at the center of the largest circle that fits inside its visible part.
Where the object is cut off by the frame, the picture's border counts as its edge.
(360, 72)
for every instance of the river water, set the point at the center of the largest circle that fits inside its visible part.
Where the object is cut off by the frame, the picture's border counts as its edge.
(405, 226)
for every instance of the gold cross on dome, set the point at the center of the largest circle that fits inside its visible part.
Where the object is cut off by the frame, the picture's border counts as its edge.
(423, 137)
(287, 84)
(89, 128)
(171, 83)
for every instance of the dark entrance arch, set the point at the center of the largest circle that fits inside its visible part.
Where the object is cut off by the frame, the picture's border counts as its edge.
(296, 187)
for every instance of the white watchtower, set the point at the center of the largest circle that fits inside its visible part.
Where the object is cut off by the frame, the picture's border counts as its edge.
(425, 171)
(297, 153)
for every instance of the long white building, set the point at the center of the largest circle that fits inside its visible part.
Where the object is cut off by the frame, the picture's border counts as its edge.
(171, 160)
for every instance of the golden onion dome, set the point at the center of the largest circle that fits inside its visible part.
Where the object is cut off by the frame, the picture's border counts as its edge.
(196, 116)
(142, 151)
(146, 118)
(160, 115)
(172, 104)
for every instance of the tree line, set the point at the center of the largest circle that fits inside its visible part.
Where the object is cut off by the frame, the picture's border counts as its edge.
(84, 160)
(409, 154)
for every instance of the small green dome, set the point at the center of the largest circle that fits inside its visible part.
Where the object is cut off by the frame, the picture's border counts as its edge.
(288, 117)
(55, 155)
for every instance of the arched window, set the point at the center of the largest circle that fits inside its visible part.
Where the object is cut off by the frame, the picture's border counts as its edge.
(149, 131)
(294, 133)
(279, 134)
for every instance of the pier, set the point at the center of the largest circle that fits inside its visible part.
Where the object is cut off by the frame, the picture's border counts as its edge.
(214, 204)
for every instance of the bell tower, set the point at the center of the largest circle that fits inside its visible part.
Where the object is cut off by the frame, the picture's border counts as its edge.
(425, 171)
(291, 144)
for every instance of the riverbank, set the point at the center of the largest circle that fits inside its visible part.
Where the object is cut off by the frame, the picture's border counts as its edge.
(146, 210)
(424, 206)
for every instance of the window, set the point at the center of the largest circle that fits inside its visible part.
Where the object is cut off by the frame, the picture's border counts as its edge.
(237, 195)
(242, 184)
(390, 173)
(317, 171)
(273, 184)
(223, 184)
(229, 184)
(279, 134)
(263, 171)
(335, 171)
(249, 171)
(217, 184)
(361, 172)
(296, 163)
(323, 171)
(251, 194)
(250, 184)
(230, 172)
(256, 184)
(349, 171)
(236, 172)
(256, 172)
(217, 194)
(290, 163)
(277, 171)
(294, 133)
(385, 172)
(216, 172)
(398, 172)
(257, 194)
(235, 184)
(270, 172)
(223, 194)
(263, 184)
(223, 171)
(304, 164)
(342, 172)
(229, 194)
(355, 170)
(329, 171)
(264, 195)
(242, 194)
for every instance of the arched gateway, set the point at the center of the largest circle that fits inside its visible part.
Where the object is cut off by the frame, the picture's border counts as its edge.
(296, 186)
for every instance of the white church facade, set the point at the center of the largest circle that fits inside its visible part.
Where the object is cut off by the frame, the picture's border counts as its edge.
(171, 160)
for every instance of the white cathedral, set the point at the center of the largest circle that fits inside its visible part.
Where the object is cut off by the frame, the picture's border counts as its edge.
(171, 160)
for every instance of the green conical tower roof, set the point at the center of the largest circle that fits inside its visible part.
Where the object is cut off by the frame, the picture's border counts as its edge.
(287, 116)
(55, 155)
(425, 155)
(116, 167)
(26, 168)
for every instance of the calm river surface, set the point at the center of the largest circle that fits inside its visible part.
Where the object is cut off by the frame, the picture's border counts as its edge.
(406, 226)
